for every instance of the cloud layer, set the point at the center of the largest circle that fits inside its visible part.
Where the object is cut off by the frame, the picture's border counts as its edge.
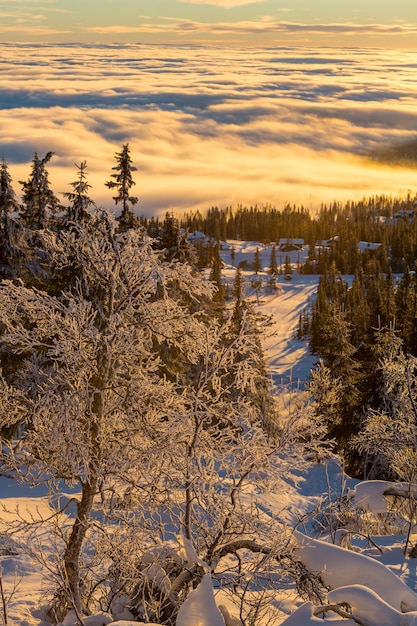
(211, 126)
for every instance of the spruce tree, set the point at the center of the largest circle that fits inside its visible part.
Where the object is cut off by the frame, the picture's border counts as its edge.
(123, 181)
(174, 243)
(339, 356)
(238, 295)
(8, 202)
(216, 277)
(9, 252)
(79, 199)
(257, 264)
(168, 239)
(359, 309)
(39, 201)
(273, 268)
(288, 266)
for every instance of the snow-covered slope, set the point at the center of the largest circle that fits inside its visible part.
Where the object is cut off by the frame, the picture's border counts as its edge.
(289, 362)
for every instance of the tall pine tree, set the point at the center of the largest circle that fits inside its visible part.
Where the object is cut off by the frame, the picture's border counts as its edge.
(8, 202)
(122, 182)
(79, 199)
(39, 201)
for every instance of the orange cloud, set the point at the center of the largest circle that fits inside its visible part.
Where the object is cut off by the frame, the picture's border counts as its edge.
(211, 126)
(265, 25)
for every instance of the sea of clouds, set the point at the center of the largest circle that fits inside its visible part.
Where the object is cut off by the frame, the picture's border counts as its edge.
(212, 125)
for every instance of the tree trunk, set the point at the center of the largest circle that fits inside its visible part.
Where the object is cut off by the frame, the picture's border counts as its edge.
(89, 489)
(75, 544)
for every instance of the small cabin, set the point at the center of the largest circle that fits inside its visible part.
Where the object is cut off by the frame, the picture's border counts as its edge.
(289, 244)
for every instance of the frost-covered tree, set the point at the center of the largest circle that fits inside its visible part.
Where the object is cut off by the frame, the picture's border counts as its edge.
(9, 251)
(389, 434)
(327, 393)
(214, 480)
(90, 396)
(161, 457)
(123, 182)
(216, 454)
(80, 201)
(388, 438)
(39, 201)
(8, 202)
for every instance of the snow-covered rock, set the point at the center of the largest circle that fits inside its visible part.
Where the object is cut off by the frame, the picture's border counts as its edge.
(339, 567)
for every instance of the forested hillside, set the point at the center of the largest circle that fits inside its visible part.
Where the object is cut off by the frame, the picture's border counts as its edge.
(134, 387)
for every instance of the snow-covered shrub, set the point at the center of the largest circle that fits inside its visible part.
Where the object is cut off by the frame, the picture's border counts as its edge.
(147, 584)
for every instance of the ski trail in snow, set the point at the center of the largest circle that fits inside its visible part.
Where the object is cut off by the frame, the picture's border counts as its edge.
(288, 359)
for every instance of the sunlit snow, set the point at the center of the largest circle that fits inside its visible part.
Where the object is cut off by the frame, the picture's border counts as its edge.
(379, 590)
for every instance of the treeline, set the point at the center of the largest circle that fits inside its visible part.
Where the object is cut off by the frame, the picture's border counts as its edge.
(333, 234)
(384, 220)
(22, 220)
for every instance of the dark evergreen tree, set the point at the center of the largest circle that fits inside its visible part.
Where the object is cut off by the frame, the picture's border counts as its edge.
(79, 199)
(8, 202)
(389, 312)
(39, 201)
(406, 311)
(358, 309)
(10, 254)
(257, 263)
(238, 294)
(123, 181)
(216, 277)
(338, 355)
(273, 267)
(175, 244)
(287, 266)
(310, 266)
(403, 297)
(169, 236)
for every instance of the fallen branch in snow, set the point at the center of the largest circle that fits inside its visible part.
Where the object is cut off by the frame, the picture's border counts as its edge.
(240, 544)
(354, 533)
(336, 608)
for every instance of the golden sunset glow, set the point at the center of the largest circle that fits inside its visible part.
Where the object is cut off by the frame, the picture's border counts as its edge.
(213, 125)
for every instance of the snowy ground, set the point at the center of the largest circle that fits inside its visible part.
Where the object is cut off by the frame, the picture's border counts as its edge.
(288, 359)
(378, 589)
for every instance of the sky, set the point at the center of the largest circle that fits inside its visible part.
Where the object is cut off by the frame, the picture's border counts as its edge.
(382, 23)
(222, 102)
(213, 125)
